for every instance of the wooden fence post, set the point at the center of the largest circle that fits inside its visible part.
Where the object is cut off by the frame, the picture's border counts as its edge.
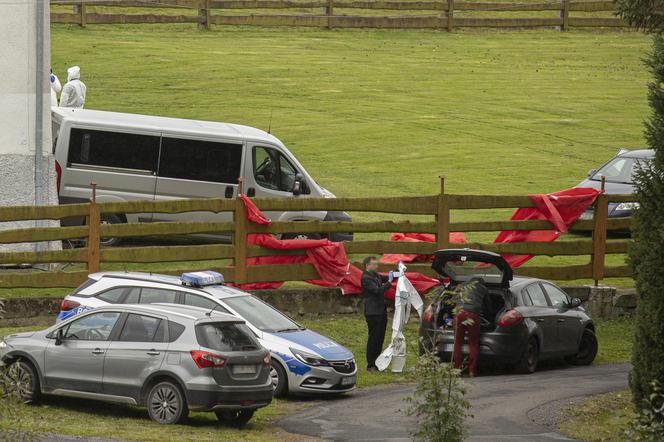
(204, 11)
(82, 14)
(443, 218)
(600, 218)
(240, 237)
(450, 15)
(94, 236)
(564, 14)
(329, 12)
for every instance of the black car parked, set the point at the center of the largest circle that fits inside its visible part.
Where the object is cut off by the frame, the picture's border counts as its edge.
(527, 319)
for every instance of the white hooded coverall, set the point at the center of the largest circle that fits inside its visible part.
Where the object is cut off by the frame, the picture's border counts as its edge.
(55, 88)
(73, 94)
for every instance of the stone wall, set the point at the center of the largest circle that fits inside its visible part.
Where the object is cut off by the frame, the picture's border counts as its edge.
(600, 302)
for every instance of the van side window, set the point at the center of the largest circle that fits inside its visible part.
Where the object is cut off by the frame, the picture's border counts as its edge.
(113, 149)
(272, 170)
(200, 160)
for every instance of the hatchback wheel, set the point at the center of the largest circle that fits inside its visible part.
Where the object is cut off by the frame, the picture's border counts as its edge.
(236, 418)
(166, 403)
(22, 382)
(279, 379)
(528, 362)
(587, 349)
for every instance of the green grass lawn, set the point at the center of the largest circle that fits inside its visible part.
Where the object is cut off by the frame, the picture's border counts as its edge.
(376, 112)
(74, 417)
(602, 418)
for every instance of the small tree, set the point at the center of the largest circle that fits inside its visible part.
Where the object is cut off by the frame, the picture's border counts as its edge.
(646, 252)
(438, 402)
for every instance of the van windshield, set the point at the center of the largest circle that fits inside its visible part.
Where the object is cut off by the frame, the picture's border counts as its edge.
(261, 315)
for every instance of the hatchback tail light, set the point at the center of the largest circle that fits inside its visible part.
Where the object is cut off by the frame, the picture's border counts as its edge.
(67, 305)
(266, 358)
(206, 359)
(58, 175)
(510, 319)
(427, 316)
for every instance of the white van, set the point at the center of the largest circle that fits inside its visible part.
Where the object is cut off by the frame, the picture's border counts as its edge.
(140, 157)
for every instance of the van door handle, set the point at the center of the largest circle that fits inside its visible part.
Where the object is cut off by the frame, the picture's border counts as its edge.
(251, 192)
(153, 353)
(228, 192)
(539, 319)
(97, 351)
(561, 319)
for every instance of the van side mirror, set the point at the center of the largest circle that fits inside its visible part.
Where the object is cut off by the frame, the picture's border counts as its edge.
(592, 172)
(59, 337)
(297, 184)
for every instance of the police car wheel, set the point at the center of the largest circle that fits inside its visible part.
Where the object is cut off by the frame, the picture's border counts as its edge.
(279, 379)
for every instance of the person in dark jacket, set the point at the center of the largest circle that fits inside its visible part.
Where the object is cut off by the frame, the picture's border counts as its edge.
(468, 319)
(374, 287)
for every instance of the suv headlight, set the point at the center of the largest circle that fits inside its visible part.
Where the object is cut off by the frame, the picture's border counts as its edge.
(309, 358)
(623, 207)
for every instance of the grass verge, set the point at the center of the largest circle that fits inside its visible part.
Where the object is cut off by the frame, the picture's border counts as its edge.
(602, 418)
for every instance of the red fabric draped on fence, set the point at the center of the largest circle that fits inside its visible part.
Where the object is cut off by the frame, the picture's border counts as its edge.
(329, 259)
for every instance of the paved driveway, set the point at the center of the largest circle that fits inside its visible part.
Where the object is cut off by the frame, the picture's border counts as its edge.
(504, 407)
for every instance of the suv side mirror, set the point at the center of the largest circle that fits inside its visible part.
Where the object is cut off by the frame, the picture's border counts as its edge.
(59, 337)
(575, 302)
(592, 172)
(297, 184)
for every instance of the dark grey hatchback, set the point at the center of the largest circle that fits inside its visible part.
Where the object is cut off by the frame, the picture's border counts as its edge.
(524, 321)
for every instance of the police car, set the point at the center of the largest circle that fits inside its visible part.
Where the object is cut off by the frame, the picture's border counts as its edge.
(303, 361)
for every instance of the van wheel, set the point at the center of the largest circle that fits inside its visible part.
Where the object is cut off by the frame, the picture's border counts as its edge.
(301, 236)
(236, 418)
(528, 362)
(279, 379)
(22, 382)
(587, 349)
(166, 403)
(110, 218)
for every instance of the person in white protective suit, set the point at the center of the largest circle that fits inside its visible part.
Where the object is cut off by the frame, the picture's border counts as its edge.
(73, 94)
(405, 297)
(56, 87)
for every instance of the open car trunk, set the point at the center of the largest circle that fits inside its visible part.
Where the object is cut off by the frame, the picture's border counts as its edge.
(461, 266)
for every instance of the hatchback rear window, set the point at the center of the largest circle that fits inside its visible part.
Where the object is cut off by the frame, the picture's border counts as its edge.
(226, 337)
(82, 287)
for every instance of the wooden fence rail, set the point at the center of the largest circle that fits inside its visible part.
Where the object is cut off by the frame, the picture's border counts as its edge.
(437, 207)
(436, 14)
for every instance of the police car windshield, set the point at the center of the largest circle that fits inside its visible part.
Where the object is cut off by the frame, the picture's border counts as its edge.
(261, 315)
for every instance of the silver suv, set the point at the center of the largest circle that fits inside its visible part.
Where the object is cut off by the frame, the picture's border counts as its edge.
(169, 358)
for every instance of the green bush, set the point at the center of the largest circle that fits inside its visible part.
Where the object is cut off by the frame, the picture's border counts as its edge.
(646, 251)
(648, 426)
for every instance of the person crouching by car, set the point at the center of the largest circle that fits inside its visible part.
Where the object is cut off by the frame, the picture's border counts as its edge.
(374, 287)
(469, 319)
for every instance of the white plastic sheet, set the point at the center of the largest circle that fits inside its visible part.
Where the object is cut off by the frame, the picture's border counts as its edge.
(406, 297)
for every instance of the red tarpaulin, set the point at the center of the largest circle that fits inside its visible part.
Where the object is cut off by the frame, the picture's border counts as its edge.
(394, 258)
(561, 209)
(329, 259)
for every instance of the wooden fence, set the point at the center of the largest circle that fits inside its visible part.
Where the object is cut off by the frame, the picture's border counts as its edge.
(434, 209)
(422, 14)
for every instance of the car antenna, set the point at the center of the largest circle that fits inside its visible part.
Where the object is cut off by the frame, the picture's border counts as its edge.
(269, 126)
(209, 314)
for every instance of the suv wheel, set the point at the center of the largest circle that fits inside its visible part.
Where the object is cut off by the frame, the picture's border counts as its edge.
(587, 349)
(528, 362)
(279, 379)
(23, 382)
(166, 403)
(236, 418)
